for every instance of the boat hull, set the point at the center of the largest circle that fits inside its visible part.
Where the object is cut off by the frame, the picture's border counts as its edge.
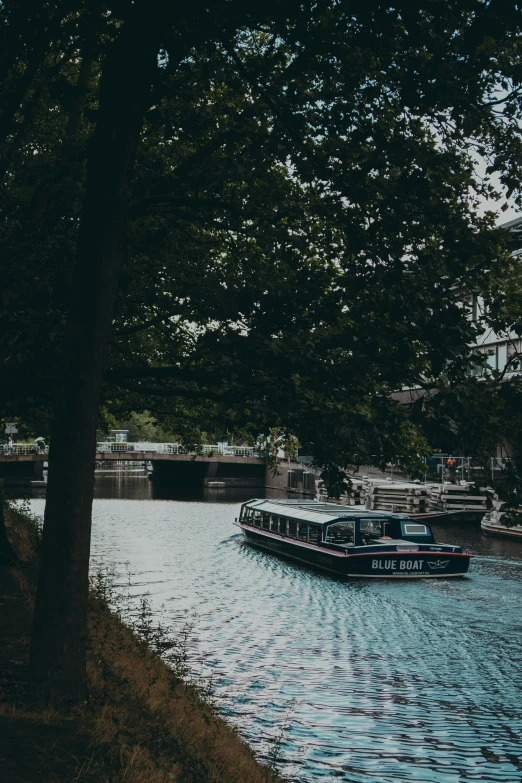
(500, 531)
(374, 563)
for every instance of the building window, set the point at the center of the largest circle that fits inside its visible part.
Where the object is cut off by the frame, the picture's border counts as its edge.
(474, 309)
(492, 359)
(501, 357)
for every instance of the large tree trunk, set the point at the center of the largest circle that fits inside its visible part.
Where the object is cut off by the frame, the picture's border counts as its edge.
(58, 644)
(8, 556)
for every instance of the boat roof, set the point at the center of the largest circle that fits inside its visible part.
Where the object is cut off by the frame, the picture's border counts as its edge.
(315, 510)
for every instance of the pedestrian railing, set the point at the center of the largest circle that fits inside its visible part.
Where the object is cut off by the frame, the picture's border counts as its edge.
(440, 465)
(217, 449)
(499, 464)
(23, 448)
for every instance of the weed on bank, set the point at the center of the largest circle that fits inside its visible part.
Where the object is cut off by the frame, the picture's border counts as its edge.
(144, 722)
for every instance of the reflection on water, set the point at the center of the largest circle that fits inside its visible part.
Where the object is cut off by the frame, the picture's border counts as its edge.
(470, 535)
(138, 487)
(377, 681)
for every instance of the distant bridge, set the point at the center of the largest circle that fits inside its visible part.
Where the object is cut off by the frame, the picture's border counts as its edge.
(214, 465)
(217, 464)
(221, 464)
(112, 448)
(169, 449)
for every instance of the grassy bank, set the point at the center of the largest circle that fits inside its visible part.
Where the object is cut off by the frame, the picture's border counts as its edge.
(142, 723)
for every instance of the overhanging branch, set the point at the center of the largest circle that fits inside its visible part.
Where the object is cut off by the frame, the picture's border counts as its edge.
(162, 391)
(124, 373)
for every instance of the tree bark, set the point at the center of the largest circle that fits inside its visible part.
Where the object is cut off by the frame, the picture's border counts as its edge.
(59, 638)
(8, 556)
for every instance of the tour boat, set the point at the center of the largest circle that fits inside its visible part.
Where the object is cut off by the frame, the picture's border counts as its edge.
(350, 541)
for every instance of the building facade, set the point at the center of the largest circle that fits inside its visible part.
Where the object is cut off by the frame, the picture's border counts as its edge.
(502, 347)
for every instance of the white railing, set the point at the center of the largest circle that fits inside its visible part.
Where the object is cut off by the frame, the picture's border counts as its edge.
(24, 448)
(445, 465)
(230, 451)
(499, 464)
(218, 449)
(117, 448)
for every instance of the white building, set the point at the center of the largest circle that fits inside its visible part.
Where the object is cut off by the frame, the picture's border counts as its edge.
(499, 348)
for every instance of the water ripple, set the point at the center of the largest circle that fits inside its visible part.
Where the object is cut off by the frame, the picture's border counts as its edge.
(360, 682)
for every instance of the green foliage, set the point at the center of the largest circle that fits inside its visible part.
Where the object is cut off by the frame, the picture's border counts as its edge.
(303, 210)
(478, 416)
(152, 631)
(272, 444)
(336, 481)
(144, 427)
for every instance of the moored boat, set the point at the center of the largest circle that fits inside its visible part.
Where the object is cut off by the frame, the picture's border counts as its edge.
(441, 517)
(349, 541)
(492, 523)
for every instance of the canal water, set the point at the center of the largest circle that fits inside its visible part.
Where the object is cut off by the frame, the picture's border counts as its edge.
(356, 681)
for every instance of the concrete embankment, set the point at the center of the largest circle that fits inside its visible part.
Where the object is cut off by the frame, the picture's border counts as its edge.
(142, 723)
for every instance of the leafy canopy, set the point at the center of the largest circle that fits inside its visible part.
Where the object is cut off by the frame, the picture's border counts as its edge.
(304, 205)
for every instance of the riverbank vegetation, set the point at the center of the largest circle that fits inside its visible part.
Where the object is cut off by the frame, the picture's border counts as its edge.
(141, 724)
(241, 216)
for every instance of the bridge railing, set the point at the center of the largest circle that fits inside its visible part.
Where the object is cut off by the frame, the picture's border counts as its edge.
(23, 448)
(121, 448)
(209, 449)
(230, 451)
(217, 449)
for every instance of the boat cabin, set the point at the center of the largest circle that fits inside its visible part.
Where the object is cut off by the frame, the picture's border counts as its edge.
(331, 526)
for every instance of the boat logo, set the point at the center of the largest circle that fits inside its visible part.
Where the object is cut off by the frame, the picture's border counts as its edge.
(435, 564)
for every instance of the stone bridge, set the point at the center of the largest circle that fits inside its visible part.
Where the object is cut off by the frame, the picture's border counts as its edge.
(215, 466)
(191, 470)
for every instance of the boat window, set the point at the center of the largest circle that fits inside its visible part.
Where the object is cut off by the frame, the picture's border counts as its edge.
(274, 524)
(265, 520)
(370, 528)
(257, 519)
(415, 530)
(282, 525)
(341, 532)
(315, 534)
(391, 528)
(292, 528)
(302, 531)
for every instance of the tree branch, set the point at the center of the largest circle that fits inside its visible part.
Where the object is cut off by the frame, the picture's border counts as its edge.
(179, 373)
(145, 325)
(513, 94)
(157, 391)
